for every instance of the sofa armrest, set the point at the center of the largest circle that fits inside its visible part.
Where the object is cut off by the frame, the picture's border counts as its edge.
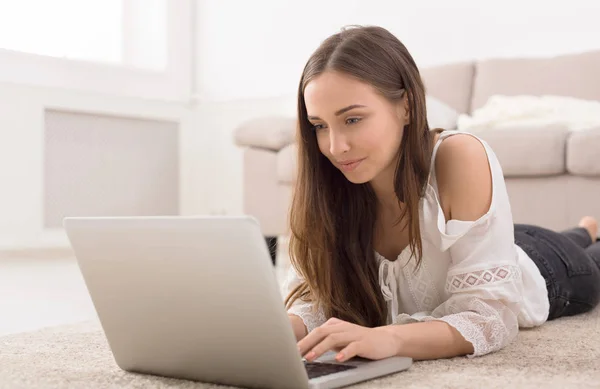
(266, 132)
(582, 152)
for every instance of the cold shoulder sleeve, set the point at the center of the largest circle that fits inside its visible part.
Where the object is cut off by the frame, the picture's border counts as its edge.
(484, 285)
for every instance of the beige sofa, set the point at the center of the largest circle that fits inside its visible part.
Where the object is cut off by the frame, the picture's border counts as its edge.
(552, 173)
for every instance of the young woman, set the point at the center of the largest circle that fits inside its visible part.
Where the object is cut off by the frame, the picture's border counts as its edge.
(402, 238)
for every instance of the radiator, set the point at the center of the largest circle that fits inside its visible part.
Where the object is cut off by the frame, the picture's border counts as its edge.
(101, 165)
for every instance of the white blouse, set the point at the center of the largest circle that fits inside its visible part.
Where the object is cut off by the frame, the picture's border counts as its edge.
(472, 275)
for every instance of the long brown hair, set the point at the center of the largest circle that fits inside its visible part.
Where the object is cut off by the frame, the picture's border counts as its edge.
(332, 220)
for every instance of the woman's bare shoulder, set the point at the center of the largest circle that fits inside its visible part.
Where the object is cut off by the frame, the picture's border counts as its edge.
(464, 178)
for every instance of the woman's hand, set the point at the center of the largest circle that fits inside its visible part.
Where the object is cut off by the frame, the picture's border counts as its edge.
(353, 340)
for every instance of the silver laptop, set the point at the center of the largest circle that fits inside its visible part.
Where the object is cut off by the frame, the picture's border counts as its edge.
(197, 298)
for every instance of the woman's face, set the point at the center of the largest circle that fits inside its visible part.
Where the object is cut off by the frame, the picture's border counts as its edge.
(357, 129)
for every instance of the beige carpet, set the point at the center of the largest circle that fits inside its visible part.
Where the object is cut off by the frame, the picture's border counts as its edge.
(561, 354)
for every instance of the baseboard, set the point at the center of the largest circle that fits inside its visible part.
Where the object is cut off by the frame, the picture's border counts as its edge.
(53, 240)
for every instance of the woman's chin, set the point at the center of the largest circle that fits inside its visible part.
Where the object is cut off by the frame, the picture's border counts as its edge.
(357, 178)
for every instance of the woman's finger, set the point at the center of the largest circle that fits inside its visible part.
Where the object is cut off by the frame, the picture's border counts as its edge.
(318, 334)
(315, 337)
(350, 351)
(331, 342)
(333, 321)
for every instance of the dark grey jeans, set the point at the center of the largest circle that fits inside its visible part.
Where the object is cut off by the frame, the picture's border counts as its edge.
(570, 263)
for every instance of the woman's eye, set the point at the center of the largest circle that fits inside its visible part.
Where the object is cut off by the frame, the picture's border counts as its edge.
(317, 127)
(352, 120)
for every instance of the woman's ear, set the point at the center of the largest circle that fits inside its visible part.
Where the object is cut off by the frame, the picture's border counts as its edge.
(404, 110)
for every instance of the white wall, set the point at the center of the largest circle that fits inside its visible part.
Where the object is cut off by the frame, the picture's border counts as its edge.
(252, 53)
(258, 48)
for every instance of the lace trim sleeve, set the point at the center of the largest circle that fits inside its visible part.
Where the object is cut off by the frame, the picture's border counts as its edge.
(306, 311)
(311, 316)
(487, 325)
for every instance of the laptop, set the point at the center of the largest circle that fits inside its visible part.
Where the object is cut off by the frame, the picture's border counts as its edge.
(197, 298)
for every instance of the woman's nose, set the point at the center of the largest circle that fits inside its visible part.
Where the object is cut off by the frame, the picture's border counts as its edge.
(338, 144)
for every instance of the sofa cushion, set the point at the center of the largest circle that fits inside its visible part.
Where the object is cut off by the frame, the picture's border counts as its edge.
(440, 114)
(574, 75)
(450, 83)
(287, 163)
(528, 152)
(583, 157)
(267, 132)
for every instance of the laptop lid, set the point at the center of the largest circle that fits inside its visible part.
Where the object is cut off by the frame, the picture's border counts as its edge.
(188, 297)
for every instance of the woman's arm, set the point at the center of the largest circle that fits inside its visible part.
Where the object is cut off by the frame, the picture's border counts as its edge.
(298, 326)
(428, 340)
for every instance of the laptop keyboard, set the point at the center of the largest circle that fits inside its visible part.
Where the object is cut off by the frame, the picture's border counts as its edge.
(319, 369)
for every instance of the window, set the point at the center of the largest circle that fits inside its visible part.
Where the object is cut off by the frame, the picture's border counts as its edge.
(130, 47)
(71, 29)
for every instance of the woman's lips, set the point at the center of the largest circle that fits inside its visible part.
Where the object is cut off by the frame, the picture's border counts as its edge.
(350, 165)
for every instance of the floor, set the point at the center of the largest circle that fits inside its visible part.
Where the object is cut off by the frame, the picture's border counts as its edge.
(39, 292)
(43, 289)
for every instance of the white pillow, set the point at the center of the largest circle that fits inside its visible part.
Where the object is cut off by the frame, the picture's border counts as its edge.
(440, 115)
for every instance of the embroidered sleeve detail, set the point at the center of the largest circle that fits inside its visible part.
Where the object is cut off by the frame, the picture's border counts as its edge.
(470, 280)
(312, 318)
(423, 290)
